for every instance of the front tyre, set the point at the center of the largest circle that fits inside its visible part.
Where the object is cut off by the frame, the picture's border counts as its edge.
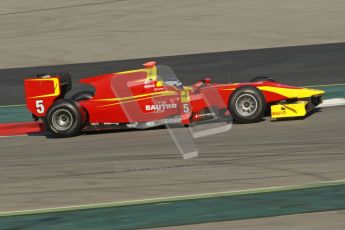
(247, 105)
(64, 119)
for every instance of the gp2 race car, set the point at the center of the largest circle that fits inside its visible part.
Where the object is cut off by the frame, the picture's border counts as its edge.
(154, 96)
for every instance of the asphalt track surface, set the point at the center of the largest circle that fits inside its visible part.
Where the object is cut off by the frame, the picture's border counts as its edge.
(309, 221)
(39, 172)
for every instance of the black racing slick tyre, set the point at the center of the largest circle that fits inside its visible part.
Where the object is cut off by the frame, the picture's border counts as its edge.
(83, 95)
(64, 119)
(262, 78)
(247, 105)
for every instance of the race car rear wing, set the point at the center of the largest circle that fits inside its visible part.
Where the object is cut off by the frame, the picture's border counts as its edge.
(41, 92)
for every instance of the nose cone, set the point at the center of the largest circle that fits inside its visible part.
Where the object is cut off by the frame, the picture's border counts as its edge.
(307, 92)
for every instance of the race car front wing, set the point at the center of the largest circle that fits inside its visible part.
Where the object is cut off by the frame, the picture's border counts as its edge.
(299, 108)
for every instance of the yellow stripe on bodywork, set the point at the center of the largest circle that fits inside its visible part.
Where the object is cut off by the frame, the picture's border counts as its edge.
(56, 87)
(232, 87)
(151, 73)
(292, 93)
(163, 93)
(124, 102)
(229, 89)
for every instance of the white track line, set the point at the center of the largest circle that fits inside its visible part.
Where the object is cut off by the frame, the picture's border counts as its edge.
(9, 106)
(341, 84)
(25, 135)
(332, 102)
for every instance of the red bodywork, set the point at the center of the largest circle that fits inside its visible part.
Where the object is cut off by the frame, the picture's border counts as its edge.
(139, 96)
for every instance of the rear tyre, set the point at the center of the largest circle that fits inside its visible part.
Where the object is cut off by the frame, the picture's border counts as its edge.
(247, 105)
(262, 78)
(83, 95)
(64, 119)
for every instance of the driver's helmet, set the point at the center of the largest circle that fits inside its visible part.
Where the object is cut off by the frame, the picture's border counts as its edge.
(174, 82)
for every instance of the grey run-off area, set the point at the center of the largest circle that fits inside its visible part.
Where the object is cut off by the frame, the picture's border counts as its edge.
(50, 32)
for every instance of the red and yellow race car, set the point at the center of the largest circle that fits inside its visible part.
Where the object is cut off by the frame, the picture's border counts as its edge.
(154, 96)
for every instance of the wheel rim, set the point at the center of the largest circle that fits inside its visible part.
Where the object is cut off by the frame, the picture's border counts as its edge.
(246, 105)
(62, 120)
